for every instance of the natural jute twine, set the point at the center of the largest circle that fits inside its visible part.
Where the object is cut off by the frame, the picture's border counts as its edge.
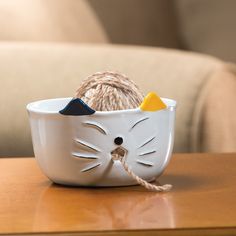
(108, 91)
(144, 183)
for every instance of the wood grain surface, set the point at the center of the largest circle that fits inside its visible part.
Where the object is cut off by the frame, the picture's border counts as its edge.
(202, 201)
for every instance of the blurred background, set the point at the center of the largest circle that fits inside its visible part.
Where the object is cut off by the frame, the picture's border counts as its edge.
(184, 49)
(206, 26)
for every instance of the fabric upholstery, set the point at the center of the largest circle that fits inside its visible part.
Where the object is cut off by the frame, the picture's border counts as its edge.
(205, 26)
(30, 72)
(214, 126)
(208, 26)
(50, 20)
(218, 118)
(138, 22)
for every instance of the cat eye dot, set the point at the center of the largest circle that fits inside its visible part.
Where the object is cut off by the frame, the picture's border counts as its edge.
(118, 140)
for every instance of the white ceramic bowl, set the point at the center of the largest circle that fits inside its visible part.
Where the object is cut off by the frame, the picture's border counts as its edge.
(76, 150)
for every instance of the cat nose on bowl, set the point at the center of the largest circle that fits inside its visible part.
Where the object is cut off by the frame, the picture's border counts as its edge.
(118, 140)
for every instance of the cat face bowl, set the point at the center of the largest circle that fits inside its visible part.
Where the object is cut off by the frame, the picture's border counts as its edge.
(75, 145)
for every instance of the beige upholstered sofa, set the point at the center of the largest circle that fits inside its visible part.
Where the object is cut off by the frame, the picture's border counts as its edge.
(203, 86)
(204, 26)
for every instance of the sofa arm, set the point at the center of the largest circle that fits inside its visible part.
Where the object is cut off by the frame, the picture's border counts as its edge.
(214, 129)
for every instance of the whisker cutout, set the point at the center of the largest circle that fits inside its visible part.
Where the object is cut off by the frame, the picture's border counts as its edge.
(146, 142)
(84, 156)
(88, 145)
(139, 121)
(90, 167)
(145, 163)
(147, 153)
(96, 126)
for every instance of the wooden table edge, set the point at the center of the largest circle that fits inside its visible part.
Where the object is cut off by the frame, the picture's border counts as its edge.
(217, 231)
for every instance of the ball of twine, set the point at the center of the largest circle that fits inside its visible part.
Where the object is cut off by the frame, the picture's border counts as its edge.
(108, 91)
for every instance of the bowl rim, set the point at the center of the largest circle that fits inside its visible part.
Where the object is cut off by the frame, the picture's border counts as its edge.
(33, 107)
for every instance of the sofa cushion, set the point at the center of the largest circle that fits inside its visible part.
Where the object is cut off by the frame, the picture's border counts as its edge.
(33, 71)
(208, 26)
(54, 20)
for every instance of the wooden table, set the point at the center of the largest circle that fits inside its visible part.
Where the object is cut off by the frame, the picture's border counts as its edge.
(202, 202)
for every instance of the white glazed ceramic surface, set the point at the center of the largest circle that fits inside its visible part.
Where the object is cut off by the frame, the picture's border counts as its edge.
(71, 150)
